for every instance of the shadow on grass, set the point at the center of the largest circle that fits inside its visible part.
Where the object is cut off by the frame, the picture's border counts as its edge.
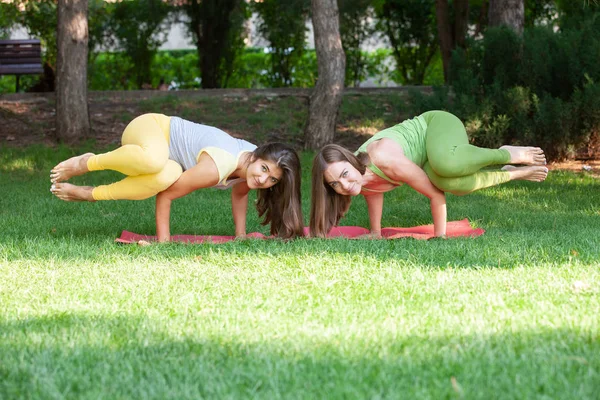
(82, 356)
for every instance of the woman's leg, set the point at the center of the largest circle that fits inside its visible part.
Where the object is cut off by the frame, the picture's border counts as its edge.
(140, 187)
(144, 150)
(482, 179)
(144, 157)
(131, 188)
(449, 152)
(462, 185)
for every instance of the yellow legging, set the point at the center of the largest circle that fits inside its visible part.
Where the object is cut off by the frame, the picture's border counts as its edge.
(143, 157)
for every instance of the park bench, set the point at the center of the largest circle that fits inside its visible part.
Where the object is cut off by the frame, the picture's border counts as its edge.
(20, 57)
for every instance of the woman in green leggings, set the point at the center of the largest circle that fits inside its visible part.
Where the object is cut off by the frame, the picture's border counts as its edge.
(431, 153)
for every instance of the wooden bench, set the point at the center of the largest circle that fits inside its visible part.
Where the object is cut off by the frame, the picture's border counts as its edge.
(20, 57)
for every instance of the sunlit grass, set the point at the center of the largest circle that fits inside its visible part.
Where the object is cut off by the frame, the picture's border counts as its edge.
(511, 314)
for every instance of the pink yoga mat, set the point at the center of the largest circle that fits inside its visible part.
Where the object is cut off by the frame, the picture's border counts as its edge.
(454, 229)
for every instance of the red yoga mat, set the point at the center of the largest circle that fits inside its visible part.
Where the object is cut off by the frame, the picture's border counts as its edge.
(454, 229)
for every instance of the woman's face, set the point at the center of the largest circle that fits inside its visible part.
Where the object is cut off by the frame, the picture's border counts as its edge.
(342, 177)
(262, 174)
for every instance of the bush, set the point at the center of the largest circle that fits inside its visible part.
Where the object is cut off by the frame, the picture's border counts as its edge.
(179, 68)
(542, 88)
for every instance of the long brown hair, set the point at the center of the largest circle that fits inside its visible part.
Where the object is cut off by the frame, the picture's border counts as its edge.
(281, 203)
(326, 206)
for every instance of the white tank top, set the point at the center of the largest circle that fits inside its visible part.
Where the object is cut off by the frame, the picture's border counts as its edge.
(187, 140)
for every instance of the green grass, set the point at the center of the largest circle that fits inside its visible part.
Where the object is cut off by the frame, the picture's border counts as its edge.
(513, 314)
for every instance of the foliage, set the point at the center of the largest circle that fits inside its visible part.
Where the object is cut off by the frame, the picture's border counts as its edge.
(139, 27)
(126, 35)
(40, 19)
(177, 68)
(410, 27)
(283, 25)
(99, 28)
(217, 28)
(538, 88)
(355, 28)
(573, 13)
(540, 12)
(8, 17)
(236, 41)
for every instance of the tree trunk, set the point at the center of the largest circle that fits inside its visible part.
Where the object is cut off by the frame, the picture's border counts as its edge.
(482, 20)
(212, 26)
(445, 35)
(451, 33)
(72, 117)
(507, 12)
(327, 95)
(461, 22)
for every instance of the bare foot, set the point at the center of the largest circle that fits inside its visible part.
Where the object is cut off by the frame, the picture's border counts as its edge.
(532, 173)
(68, 192)
(526, 155)
(67, 169)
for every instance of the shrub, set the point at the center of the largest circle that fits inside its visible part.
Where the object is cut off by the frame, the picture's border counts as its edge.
(542, 88)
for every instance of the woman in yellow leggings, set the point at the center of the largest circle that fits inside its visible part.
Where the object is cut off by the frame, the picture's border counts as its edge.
(171, 157)
(431, 153)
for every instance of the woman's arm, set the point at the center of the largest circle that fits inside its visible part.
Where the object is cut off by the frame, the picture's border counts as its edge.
(416, 178)
(375, 207)
(239, 207)
(202, 175)
(391, 160)
(163, 216)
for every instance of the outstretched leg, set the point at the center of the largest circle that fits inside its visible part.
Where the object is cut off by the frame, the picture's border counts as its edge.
(140, 187)
(525, 155)
(533, 173)
(68, 192)
(144, 150)
(483, 179)
(462, 185)
(450, 154)
(131, 188)
(67, 169)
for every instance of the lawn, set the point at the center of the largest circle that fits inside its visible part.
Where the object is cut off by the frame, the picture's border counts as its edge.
(513, 314)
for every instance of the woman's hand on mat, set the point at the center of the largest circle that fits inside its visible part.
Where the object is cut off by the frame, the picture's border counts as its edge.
(440, 237)
(373, 235)
(143, 243)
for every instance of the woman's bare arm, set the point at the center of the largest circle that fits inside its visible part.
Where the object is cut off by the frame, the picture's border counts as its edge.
(239, 207)
(393, 163)
(375, 207)
(202, 175)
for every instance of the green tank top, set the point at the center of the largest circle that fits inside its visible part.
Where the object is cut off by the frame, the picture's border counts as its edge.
(410, 135)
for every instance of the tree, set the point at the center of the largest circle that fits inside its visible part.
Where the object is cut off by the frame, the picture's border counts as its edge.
(355, 28)
(507, 12)
(139, 28)
(72, 117)
(540, 12)
(327, 95)
(410, 26)
(283, 24)
(40, 20)
(217, 27)
(8, 17)
(451, 31)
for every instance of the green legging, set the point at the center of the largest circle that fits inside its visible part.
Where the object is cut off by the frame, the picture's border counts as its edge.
(453, 164)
